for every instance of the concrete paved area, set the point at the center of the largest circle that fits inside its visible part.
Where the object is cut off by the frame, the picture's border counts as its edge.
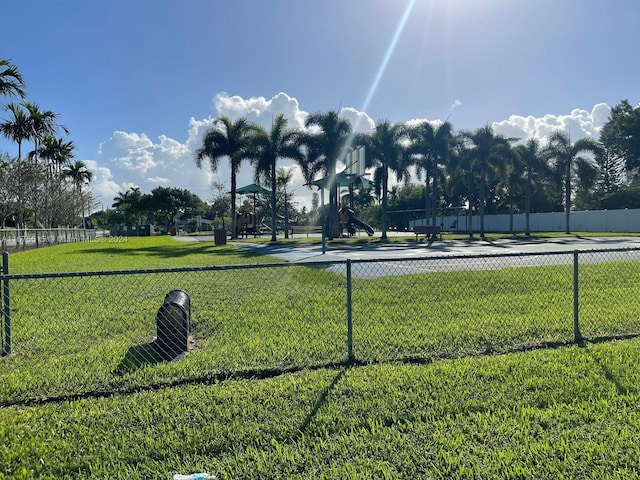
(298, 253)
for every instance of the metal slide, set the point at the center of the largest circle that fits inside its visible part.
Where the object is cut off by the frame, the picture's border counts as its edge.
(351, 221)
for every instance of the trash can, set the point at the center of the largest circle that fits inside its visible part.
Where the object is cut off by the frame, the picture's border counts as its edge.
(173, 231)
(173, 322)
(220, 235)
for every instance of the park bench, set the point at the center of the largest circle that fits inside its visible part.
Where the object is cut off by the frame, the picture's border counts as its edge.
(430, 231)
(302, 229)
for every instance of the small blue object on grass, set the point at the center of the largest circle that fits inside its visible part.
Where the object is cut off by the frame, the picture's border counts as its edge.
(193, 476)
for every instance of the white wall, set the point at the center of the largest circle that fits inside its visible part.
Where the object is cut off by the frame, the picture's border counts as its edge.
(627, 220)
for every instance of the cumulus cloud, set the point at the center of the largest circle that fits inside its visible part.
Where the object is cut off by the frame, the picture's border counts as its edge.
(578, 124)
(133, 160)
(360, 121)
(260, 110)
(103, 185)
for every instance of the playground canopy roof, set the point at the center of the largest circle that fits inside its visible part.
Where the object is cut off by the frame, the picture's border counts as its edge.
(343, 179)
(253, 188)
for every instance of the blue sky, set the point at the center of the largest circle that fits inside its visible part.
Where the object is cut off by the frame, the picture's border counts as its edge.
(137, 82)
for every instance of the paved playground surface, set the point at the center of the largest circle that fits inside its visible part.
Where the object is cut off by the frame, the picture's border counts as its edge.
(299, 253)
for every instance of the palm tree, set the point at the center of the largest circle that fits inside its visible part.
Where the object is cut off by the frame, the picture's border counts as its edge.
(120, 200)
(17, 128)
(11, 82)
(56, 151)
(80, 175)
(463, 176)
(566, 159)
(323, 150)
(129, 203)
(28, 122)
(284, 176)
(431, 147)
(280, 142)
(534, 165)
(42, 123)
(489, 152)
(385, 152)
(227, 139)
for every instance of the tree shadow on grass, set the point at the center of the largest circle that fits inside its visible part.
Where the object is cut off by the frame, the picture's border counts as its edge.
(171, 251)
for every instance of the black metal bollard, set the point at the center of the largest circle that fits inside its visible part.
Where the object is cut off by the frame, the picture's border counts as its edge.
(173, 324)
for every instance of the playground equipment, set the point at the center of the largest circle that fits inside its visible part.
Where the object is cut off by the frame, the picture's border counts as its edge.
(349, 221)
(246, 224)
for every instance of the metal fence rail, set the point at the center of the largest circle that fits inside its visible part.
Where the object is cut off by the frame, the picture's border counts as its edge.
(72, 333)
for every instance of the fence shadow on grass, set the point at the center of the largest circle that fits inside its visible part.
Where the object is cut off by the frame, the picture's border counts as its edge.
(322, 400)
(139, 356)
(606, 370)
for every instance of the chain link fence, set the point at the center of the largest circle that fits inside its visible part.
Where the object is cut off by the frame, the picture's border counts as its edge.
(23, 238)
(90, 333)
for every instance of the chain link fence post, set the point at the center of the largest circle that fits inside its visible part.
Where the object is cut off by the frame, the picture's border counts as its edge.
(6, 306)
(349, 312)
(577, 336)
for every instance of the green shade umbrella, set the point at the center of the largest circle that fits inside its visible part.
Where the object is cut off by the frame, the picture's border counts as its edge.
(253, 188)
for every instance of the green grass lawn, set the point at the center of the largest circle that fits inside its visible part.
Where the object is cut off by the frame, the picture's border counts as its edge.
(286, 406)
(563, 413)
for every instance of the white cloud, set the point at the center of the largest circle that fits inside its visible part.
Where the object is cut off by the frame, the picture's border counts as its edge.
(102, 184)
(578, 124)
(360, 121)
(260, 110)
(159, 180)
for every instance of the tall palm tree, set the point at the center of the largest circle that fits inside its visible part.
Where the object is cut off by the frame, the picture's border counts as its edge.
(535, 166)
(42, 123)
(28, 122)
(11, 81)
(56, 151)
(129, 203)
(80, 175)
(463, 177)
(284, 177)
(508, 186)
(431, 148)
(323, 151)
(490, 152)
(17, 127)
(566, 158)
(121, 202)
(280, 142)
(385, 152)
(227, 139)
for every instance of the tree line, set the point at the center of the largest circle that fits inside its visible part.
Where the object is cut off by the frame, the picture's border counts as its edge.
(477, 171)
(480, 171)
(43, 187)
